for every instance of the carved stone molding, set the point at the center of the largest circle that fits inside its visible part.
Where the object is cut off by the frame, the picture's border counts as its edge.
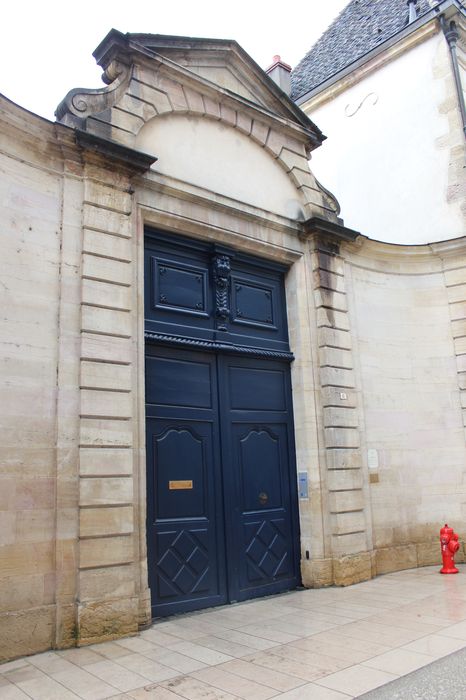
(80, 103)
(329, 198)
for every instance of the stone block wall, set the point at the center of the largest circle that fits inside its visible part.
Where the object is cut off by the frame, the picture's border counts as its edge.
(406, 312)
(34, 552)
(69, 549)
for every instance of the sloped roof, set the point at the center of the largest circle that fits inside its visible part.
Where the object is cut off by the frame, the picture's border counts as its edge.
(359, 28)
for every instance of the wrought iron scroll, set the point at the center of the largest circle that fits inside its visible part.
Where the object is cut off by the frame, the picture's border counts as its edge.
(222, 273)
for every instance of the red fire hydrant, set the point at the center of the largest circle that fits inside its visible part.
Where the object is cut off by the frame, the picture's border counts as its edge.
(449, 545)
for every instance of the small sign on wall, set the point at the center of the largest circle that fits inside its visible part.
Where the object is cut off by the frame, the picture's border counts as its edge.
(373, 464)
(372, 458)
(303, 485)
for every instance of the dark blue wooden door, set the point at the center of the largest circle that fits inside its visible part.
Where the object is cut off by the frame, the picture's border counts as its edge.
(186, 544)
(221, 481)
(257, 438)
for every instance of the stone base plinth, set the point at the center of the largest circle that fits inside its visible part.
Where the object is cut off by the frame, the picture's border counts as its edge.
(317, 573)
(104, 621)
(354, 568)
(26, 632)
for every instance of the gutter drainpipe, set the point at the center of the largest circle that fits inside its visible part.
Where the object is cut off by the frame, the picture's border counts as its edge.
(412, 11)
(451, 35)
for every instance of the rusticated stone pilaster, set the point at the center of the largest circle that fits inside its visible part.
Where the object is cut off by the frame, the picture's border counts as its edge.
(340, 413)
(453, 255)
(109, 546)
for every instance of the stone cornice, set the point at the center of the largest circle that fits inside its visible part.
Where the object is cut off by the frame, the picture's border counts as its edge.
(329, 229)
(399, 259)
(105, 151)
(453, 247)
(25, 131)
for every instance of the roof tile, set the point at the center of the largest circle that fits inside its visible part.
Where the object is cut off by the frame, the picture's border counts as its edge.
(359, 28)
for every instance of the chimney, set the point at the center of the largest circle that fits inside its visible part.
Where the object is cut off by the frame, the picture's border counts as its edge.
(280, 74)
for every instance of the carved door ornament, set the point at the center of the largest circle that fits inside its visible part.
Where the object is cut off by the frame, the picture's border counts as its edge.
(222, 273)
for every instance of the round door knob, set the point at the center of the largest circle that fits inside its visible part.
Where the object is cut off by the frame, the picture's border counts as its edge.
(263, 498)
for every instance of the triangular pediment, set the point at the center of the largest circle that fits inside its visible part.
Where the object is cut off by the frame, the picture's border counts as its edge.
(220, 62)
(215, 60)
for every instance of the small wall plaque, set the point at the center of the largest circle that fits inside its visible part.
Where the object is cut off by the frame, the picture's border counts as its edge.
(372, 458)
(302, 485)
(180, 485)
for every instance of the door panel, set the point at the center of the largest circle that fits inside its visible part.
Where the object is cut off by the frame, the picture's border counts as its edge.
(259, 471)
(259, 467)
(266, 545)
(179, 380)
(182, 456)
(185, 513)
(257, 388)
(268, 560)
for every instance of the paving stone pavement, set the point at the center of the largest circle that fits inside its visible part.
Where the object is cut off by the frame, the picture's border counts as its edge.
(324, 644)
(444, 679)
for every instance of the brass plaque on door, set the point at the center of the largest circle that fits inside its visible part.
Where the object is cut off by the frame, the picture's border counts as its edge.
(180, 485)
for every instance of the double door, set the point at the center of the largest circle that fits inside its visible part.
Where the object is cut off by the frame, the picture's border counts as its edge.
(222, 504)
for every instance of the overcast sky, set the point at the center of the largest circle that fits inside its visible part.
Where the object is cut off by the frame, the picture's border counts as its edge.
(46, 47)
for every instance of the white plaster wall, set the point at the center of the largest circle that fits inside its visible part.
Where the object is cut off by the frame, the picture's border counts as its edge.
(220, 159)
(388, 149)
(411, 403)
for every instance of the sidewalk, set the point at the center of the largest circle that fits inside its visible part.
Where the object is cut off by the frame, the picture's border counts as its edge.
(444, 678)
(326, 644)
